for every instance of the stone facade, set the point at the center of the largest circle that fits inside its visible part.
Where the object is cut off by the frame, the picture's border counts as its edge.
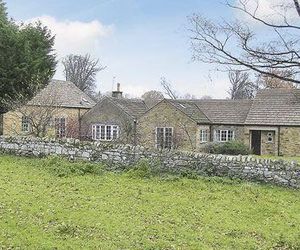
(124, 156)
(108, 114)
(12, 121)
(185, 130)
(290, 141)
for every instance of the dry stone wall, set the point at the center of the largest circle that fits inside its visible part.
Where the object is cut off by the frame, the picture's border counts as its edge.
(243, 167)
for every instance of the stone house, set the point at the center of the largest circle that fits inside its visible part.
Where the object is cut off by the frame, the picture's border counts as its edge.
(55, 111)
(113, 119)
(183, 125)
(269, 124)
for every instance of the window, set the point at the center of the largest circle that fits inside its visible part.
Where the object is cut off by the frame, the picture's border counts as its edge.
(105, 132)
(270, 137)
(204, 135)
(25, 124)
(224, 135)
(164, 138)
(60, 127)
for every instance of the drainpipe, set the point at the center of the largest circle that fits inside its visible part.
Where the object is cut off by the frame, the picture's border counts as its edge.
(278, 153)
(79, 124)
(211, 133)
(134, 132)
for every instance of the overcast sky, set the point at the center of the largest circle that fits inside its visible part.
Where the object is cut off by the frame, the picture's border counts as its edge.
(139, 41)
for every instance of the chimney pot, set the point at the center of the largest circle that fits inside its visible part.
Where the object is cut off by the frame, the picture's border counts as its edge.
(118, 93)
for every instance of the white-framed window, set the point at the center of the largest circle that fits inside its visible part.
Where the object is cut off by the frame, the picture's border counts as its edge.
(270, 137)
(164, 138)
(60, 127)
(224, 135)
(105, 132)
(25, 124)
(204, 135)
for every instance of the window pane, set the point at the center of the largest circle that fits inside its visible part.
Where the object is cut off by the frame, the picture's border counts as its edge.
(115, 132)
(102, 132)
(168, 138)
(218, 135)
(203, 135)
(224, 135)
(160, 138)
(230, 135)
(108, 133)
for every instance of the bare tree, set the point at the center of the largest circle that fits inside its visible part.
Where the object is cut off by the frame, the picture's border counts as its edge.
(206, 97)
(82, 71)
(269, 82)
(234, 43)
(152, 97)
(241, 85)
(297, 6)
(188, 96)
(35, 119)
(169, 91)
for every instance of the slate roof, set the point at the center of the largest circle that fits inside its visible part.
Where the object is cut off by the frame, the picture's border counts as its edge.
(133, 107)
(275, 107)
(225, 111)
(190, 109)
(63, 94)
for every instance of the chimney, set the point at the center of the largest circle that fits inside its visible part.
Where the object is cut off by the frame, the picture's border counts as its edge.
(118, 94)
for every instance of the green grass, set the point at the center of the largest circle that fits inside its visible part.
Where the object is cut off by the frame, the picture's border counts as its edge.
(39, 210)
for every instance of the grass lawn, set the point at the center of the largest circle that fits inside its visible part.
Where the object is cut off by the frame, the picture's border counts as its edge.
(39, 210)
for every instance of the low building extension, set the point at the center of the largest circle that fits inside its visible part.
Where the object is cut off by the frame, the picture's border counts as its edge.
(269, 124)
(113, 119)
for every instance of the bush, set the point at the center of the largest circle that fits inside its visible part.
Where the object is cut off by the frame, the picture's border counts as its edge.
(61, 167)
(227, 148)
(141, 169)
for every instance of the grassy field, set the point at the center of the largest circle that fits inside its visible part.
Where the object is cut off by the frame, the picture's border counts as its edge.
(43, 207)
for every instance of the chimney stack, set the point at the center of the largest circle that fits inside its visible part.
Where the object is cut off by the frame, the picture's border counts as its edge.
(118, 94)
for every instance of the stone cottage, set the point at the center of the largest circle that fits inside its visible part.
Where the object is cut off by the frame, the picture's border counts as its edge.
(55, 111)
(113, 119)
(269, 124)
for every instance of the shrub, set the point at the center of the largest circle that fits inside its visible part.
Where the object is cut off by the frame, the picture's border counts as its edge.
(229, 148)
(61, 167)
(141, 169)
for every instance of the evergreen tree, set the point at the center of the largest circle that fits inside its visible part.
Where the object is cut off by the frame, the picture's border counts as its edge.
(27, 61)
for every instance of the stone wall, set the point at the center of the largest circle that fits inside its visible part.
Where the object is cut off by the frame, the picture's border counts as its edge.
(1, 124)
(243, 167)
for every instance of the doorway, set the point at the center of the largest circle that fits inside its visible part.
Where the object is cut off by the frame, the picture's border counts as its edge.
(256, 142)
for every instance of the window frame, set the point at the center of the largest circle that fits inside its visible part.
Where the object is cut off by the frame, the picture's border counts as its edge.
(166, 142)
(105, 132)
(26, 123)
(204, 135)
(271, 135)
(224, 135)
(60, 128)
